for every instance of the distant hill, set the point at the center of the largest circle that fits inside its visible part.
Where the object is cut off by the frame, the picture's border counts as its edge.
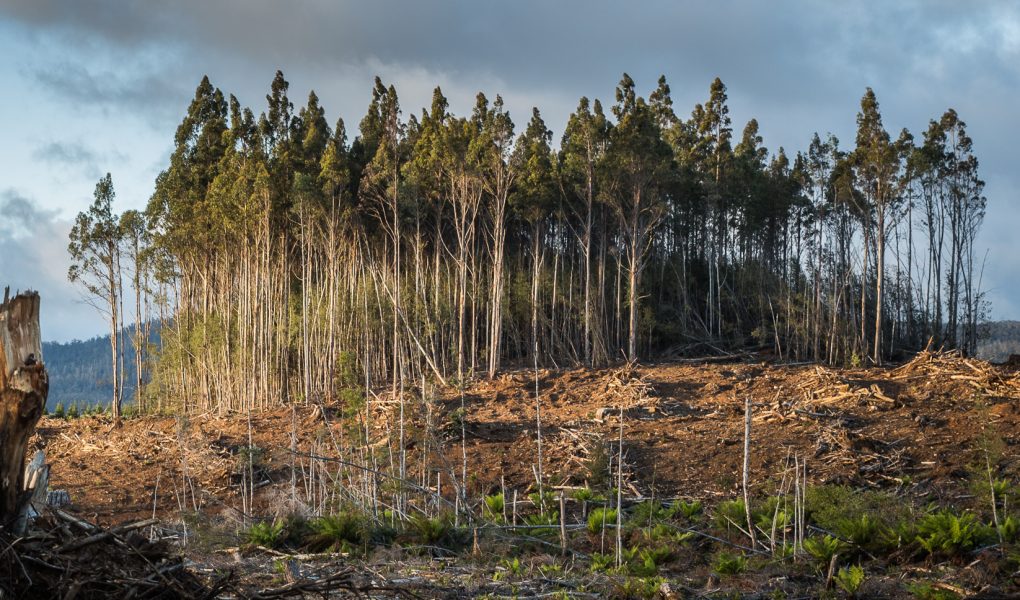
(80, 370)
(998, 339)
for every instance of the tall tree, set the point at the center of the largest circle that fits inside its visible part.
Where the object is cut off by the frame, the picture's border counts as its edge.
(582, 149)
(640, 164)
(878, 163)
(95, 266)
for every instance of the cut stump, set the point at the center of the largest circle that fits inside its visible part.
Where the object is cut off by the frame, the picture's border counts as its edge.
(24, 386)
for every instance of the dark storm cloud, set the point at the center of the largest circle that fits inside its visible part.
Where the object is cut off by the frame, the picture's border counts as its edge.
(141, 90)
(798, 66)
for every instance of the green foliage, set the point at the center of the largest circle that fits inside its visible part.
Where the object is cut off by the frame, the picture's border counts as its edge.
(864, 531)
(689, 510)
(341, 531)
(650, 559)
(494, 506)
(774, 509)
(601, 518)
(544, 501)
(730, 513)
(551, 518)
(664, 532)
(430, 531)
(850, 579)
(924, 590)
(637, 587)
(828, 506)
(72, 411)
(1009, 530)
(823, 548)
(588, 495)
(947, 534)
(601, 563)
(58, 411)
(265, 534)
(511, 568)
(645, 513)
(729, 564)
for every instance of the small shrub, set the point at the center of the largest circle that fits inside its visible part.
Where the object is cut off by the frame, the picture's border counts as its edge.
(342, 531)
(543, 502)
(730, 564)
(601, 562)
(494, 506)
(822, 549)
(511, 568)
(264, 534)
(863, 531)
(58, 411)
(430, 531)
(946, 534)
(647, 512)
(1009, 529)
(650, 559)
(601, 518)
(828, 505)
(72, 411)
(850, 579)
(664, 532)
(729, 514)
(551, 518)
(587, 495)
(688, 510)
(597, 467)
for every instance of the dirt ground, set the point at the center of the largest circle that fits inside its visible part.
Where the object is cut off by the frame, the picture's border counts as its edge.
(925, 428)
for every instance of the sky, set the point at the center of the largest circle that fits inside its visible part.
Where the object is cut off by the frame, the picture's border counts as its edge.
(97, 86)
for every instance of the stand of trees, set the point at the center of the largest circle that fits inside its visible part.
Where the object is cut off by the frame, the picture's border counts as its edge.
(282, 257)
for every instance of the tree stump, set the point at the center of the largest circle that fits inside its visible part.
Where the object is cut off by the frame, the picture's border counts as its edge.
(24, 386)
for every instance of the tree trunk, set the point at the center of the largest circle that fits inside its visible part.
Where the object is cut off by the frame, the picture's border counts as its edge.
(24, 385)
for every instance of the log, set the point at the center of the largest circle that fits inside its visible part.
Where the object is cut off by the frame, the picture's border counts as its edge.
(24, 386)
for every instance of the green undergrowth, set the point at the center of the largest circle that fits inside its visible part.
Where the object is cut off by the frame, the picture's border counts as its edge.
(853, 539)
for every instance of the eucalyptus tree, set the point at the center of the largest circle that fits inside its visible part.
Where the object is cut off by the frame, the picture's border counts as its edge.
(95, 249)
(582, 149)
(134, 235)
(878, 163)
(492, 153)
(964, 204)
(534, 200)
(712, 150)
(640, 166)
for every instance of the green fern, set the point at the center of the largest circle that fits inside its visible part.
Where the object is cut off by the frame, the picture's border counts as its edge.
(850, 579)
(944, 533)
(494, 506)
(730, 564)
(822, 549)
(601, 518)
(264, 534)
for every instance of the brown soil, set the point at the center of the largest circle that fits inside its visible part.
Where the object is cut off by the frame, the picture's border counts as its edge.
(924, 427)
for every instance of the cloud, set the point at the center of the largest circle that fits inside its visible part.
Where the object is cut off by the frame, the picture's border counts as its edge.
(33, 255)
(135, 88)
(798, 66)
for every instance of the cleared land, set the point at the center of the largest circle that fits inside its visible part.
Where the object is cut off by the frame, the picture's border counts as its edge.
(930, 432)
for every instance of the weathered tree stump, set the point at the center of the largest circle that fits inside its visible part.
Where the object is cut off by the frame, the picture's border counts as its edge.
(24, 385)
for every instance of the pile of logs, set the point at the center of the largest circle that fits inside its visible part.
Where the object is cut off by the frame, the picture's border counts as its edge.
(825, 388)
(947, 367)
(62, 556)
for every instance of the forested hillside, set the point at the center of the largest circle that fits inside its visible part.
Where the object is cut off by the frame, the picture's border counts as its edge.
(998, 340)
(436, 247)
(81, 371)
